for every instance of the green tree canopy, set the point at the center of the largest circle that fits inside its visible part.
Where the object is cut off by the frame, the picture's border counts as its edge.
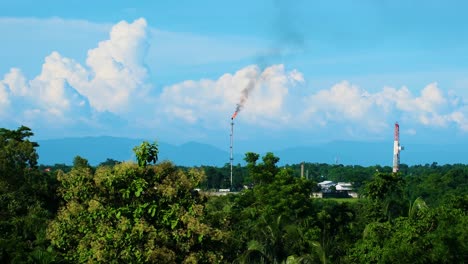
(133, 214)
(435, 235)
(146, 153)
(25, 197)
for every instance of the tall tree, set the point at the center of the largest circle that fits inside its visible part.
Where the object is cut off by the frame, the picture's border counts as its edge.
(385, 194)
(264, 216)
(436, 235)
(134, 214)
(146, 153)
(25, 197)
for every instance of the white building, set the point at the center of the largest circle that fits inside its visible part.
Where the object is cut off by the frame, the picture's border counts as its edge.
(325, 185)
(344, 186)
(340, 188)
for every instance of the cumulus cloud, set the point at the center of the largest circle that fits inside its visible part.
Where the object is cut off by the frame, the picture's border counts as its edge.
(345, 103)
(4, 100)
(117, 67)
(113, 83)
(43, 98)
(206, 100)
(66, 91)
(16, 82)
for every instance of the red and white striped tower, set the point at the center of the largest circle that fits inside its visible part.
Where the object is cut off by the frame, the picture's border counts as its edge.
(396, 149)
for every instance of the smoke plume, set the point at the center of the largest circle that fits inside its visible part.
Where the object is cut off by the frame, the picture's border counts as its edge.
(286, 35)
(244, 96)
(287, 39)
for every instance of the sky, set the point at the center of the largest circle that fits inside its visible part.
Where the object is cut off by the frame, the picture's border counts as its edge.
(300, 72)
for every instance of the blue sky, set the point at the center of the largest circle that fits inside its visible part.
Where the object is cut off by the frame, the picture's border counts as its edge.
(174, 70)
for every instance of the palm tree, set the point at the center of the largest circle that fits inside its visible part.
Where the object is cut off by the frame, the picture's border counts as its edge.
(418, 205)
(269, 247)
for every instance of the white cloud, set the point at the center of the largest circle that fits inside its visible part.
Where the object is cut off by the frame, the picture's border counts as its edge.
(347, 103)
(4, 100)
(55, 86)
(114, 80)
(431, 99)
(16, 82)
(117, 67)
(431, 108)
(66, 91)
(168, 51)
(207, 100)
(342, 101)
(46, 97)
(296, 76)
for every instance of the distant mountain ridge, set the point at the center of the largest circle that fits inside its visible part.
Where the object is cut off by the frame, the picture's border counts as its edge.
(98, 149)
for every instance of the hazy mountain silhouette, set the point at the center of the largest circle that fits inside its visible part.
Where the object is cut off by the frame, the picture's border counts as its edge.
(98, 149)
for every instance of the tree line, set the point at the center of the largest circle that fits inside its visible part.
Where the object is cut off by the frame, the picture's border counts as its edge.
(151, 212)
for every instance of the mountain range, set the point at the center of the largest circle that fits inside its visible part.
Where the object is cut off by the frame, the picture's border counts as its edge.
(98, 149)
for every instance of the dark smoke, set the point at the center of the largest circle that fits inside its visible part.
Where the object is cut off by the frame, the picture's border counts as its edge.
(286, 34)
(286, 37)
(244, 96)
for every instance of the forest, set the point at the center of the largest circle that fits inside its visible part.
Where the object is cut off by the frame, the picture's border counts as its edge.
(152, 211)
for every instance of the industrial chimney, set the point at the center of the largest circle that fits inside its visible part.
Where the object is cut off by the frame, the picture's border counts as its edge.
(231, 158)
(396, 149)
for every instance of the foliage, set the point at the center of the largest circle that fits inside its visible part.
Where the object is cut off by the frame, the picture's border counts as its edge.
(133, 214)
(437, 184)
(219, 177)
(26, 199)
(264, 172)
(432, 236)
(277, 221)
(80, 162)
(146, 153)
(109, 162)
(147, 213)
(385, 192)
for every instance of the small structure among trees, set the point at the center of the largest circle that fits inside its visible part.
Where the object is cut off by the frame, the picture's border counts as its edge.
(330, 189)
